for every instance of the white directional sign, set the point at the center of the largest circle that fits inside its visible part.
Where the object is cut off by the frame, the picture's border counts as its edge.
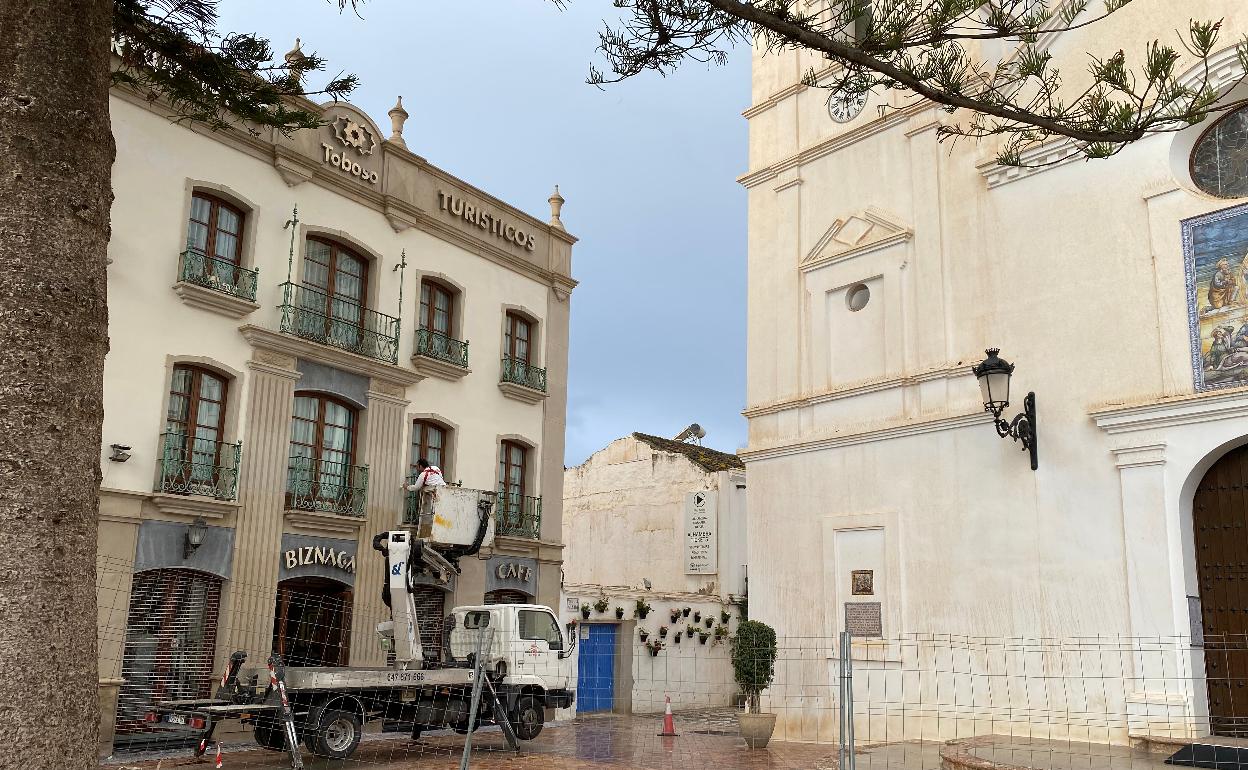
(701, 534)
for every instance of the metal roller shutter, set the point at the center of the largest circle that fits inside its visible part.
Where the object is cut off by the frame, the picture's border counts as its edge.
(170, 641)
(431, 615)
(507, 596)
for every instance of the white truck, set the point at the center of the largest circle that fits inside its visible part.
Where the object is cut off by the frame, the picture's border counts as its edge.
(504, 664)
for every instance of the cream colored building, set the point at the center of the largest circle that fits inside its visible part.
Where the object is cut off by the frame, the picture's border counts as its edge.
(647, 509)
(881, 265)
(273, 378)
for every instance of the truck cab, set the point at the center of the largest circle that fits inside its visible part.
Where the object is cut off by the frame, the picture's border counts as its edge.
(528, 645)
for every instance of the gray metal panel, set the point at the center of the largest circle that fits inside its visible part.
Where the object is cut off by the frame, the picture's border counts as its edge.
(162, 545)
(327, 379)
(317, 550)
(348, 678)
(519, 573)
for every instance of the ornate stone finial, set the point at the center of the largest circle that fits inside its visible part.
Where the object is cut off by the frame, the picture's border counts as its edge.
(556, 205)
(398, 116)
(293, 57)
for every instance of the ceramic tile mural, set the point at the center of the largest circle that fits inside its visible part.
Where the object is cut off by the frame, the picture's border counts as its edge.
(1215, 249)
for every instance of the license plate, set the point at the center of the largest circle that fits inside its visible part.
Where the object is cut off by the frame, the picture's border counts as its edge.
(175, 719)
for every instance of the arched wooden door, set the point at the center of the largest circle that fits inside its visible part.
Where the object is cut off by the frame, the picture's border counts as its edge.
(1220, 526)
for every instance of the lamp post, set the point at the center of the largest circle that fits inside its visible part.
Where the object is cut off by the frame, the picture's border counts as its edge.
(994, 375)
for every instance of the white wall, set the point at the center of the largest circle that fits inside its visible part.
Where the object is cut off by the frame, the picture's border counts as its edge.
(1076, 272)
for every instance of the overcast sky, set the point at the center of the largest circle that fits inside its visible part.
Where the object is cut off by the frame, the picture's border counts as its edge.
(497, 95)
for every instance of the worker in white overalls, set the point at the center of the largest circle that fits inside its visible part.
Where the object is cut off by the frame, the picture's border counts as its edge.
(428, 479)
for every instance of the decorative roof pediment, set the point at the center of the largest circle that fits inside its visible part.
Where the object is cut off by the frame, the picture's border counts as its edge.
(857, 234)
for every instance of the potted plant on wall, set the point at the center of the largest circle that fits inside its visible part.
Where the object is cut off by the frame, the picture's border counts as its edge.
(601, 605)
(753, 665)
(685, 611)
(654, 646)
(690, 630)
(708, 621)
(644, 634)
(721, 634)
(724, 617)
(697, 617)
(662, 632)
(585, 608)
(642, 609)
(619, 613)
(675, 613)
(703, 636)
(676, 639)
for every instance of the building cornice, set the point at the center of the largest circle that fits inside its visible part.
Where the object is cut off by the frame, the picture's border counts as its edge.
(832, 144)
(866, 435)
(948, 371)
(1171, 412)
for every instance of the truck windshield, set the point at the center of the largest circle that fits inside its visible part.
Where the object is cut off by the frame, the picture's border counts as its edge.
(477, 619)
(540, 625)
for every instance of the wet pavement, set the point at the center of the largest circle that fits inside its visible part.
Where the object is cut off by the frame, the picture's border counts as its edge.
(705, 740)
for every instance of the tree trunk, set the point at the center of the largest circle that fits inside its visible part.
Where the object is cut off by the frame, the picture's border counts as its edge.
(57, 150)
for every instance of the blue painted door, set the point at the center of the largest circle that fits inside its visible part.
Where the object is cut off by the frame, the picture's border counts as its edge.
(595, 678)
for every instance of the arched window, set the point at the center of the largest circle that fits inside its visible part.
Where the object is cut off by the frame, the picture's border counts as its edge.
(191, 458)
(215, 229)
(437, 307)
(517, 338)
(335, 293)
(1219, 163)
(429, 440)
(322, 474)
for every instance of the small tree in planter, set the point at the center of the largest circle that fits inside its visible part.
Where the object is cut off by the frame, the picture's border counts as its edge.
(753, 666)
(585, 608)
(601, 605)
(643, 609)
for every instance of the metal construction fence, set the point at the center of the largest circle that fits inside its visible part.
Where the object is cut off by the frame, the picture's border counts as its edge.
(919, 700)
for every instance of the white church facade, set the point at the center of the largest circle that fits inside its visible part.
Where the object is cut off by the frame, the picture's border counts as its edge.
(882, 264)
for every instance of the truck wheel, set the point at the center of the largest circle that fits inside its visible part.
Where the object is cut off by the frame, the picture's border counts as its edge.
(336, 734)
(271, 734)
(528, 718)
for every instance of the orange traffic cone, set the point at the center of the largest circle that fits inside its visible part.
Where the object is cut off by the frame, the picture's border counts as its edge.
(669, 724)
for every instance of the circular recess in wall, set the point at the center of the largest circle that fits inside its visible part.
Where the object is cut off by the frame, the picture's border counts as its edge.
(857, 297)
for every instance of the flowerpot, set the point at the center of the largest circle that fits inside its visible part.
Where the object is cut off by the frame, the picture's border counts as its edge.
(697, 617)
(685, 612)
(756, 729)
(662, 633)
(585, 613)
(644, 636)
(654, 651)
(724, 618)
(619, 613)
(702, 638)
(689, 632)
(643, 613)
(676, 640)
(675, 615)
(709, 622)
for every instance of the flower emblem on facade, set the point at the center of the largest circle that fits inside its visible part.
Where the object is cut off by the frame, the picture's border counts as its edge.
(352, 134)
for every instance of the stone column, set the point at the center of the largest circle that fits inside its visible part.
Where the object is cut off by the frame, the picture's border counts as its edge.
(384, 438)
(247, 616)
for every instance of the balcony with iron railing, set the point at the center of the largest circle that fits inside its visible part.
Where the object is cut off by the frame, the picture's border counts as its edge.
(518, 516)
(441, 347)
(326, 487)
(524, 374)
(220, 275)
(314, 315)
(198, 466)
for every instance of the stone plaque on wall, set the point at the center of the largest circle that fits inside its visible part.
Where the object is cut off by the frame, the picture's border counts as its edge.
(862, 582)
(864, 619)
